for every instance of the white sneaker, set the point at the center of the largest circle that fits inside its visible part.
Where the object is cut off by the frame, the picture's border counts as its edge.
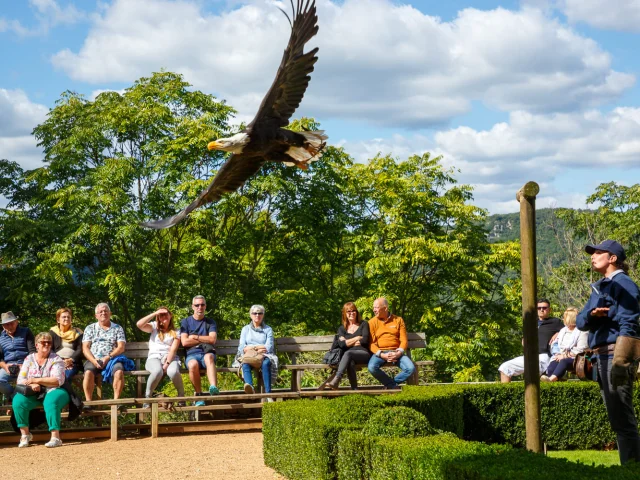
(54, 442)
(248, 388)
(24, 440)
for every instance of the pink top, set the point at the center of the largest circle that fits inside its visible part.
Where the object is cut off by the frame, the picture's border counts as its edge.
(53, 367)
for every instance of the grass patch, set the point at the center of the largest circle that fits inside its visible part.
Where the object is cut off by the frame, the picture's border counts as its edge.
(588, 457)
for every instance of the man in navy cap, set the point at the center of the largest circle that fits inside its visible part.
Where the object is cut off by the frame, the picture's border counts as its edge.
(611, 316)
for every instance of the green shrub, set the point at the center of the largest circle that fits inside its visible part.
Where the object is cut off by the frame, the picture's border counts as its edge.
(398, 422)
(441, 404)
(522, 464)
(300, 437)
(573, 415)
(376, 458)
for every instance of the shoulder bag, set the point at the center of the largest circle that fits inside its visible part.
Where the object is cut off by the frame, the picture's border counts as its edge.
(253, 358)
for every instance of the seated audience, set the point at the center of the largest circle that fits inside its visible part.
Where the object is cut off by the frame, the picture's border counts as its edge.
(15, 344)
(43, 374)
(548, 327)
(571, 341)
(258, 337)
(67, 342)
(163, 349)
(353, 339)
(198, 335)
(103, 348)
(388, 343)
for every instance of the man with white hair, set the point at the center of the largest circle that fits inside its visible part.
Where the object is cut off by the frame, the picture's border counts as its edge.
(102, 341)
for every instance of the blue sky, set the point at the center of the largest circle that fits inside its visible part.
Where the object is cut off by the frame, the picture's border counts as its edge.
(506, 91)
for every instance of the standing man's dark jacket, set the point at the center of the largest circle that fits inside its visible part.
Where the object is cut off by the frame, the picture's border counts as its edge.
(622, 317)
(15, 349)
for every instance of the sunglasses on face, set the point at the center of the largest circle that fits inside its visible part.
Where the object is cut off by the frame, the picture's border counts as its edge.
(45, 343)
(199, 305)
(543, 308)
(351, 311)
(257, 313)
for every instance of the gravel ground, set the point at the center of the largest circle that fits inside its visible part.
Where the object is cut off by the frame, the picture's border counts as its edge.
(212, 456)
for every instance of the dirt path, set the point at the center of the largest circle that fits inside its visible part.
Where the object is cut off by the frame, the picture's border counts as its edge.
(212, 456)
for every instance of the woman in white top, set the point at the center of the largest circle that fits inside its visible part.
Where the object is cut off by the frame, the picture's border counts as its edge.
(163, 350)
(571, 342)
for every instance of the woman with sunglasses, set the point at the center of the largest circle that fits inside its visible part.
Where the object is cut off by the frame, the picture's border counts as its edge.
(67, 342)
(257, 336)
(353, 339)
(41, 378)
(163, 351)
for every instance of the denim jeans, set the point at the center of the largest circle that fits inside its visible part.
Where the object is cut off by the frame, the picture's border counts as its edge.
(69, 373)
(266, 374)
(406, 369)
(6, 381)
(619, 404)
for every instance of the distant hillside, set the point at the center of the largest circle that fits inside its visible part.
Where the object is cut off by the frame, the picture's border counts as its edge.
(506, 227)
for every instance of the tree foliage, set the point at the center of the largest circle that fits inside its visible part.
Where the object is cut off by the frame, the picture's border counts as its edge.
(300, 242)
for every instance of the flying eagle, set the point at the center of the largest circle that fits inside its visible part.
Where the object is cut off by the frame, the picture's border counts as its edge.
(265, 139)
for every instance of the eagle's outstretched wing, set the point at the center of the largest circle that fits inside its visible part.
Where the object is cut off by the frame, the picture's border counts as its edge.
(231, 176)
(292, 79)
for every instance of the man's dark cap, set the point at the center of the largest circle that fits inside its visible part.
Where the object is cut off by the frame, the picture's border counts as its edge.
(611, 246)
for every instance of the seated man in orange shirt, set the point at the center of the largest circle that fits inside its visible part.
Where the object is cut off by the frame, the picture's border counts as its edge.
(388, 344)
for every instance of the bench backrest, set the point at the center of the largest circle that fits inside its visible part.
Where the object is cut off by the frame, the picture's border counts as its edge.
(322, 343)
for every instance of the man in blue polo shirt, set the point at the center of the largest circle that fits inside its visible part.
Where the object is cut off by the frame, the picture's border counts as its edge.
(15, 344)
(198, 335)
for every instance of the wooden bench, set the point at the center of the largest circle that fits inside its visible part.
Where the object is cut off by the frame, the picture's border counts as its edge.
(292, 346)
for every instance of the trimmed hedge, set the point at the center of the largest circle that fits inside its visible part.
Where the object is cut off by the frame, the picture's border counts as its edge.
(400, 422)
(573, 415)
(522, 464)
(324, 439)
(377, 458)
(300, 437)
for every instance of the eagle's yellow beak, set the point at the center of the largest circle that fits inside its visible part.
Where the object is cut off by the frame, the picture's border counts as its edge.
(213, 146)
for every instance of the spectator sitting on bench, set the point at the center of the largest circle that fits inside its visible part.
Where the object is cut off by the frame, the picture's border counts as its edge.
(67, 342)
(163, 351)
(548, 327)
(257, 336)
(388, 343)
(353, 339)
(102, 342)
(15, 344)
(571, 342)
(43, 375)
(198, 335)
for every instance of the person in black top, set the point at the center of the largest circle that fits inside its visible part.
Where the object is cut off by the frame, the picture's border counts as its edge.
(353, 339)
(548, 327)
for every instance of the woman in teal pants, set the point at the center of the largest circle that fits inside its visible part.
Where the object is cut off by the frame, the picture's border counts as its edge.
(42, 375)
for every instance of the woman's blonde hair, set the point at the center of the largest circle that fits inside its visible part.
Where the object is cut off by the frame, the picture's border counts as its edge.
(171, 329)
(569, 316)
(43, 336)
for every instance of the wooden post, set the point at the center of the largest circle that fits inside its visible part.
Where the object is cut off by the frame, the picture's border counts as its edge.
(527, 198)
(114, 422)
(154, 420)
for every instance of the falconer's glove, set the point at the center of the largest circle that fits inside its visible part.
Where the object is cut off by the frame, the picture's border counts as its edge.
(627, 351)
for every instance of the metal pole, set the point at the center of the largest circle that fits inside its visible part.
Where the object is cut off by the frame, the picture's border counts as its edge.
(527, 198)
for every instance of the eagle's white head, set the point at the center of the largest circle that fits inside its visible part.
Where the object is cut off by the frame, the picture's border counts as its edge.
(233, 144)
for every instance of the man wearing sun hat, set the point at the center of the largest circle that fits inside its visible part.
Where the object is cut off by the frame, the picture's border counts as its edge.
(611, 316)
(15, 344)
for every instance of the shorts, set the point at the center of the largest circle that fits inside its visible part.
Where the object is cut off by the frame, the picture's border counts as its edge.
(90, 367)
(198, 355)
(515, 366)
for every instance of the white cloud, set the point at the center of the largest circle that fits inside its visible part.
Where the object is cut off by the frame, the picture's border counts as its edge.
(22, 150)
(380, 62)
(606, 14)
(538, 147)
(18, 117)
(48, 14)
